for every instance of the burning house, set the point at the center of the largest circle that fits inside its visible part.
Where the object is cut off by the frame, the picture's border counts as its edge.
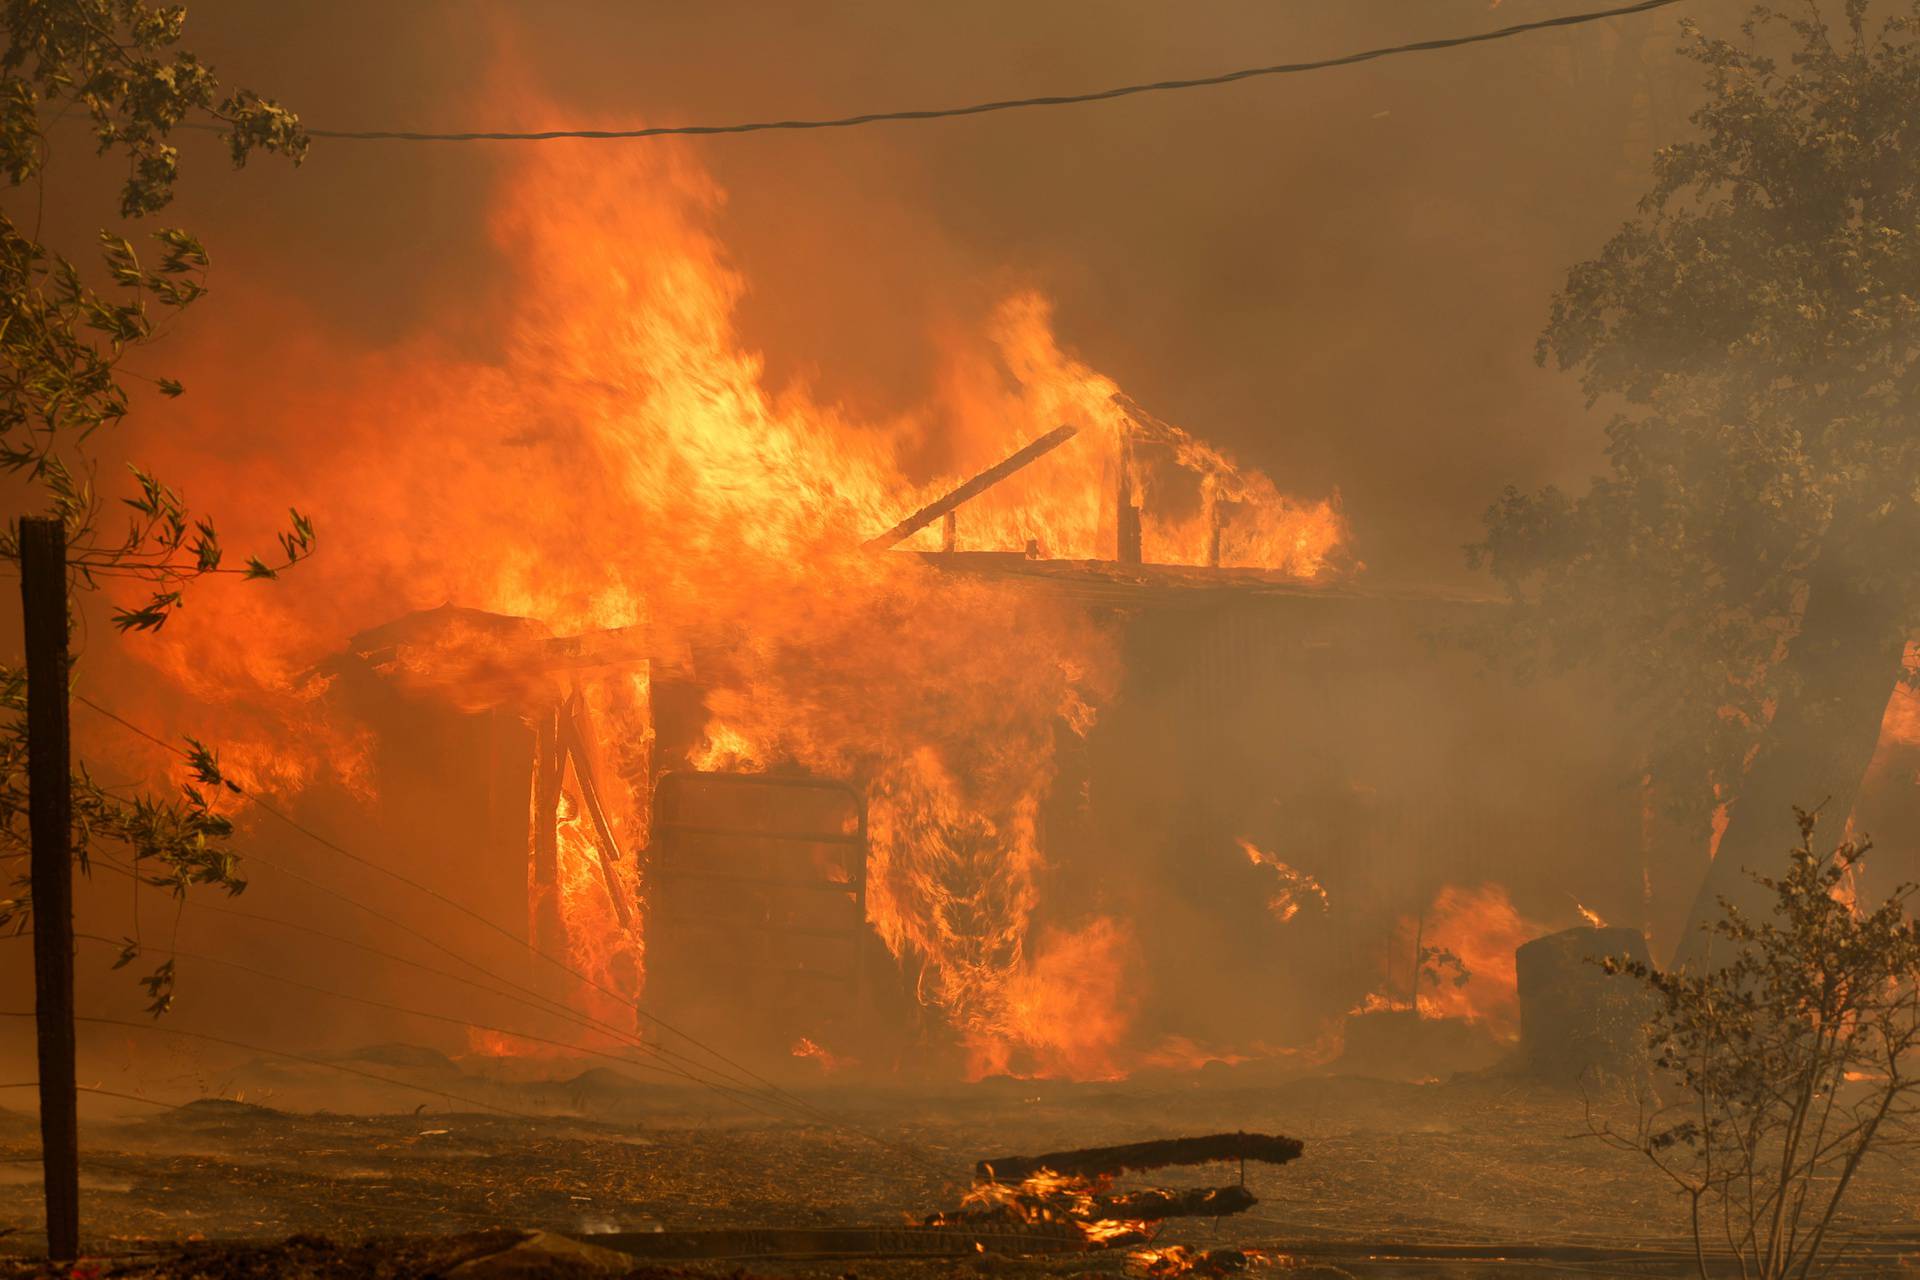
(1227, 775)
(1020, 732)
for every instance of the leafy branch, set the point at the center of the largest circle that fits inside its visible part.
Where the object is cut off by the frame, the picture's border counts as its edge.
(1782, 1069)
(65, 337)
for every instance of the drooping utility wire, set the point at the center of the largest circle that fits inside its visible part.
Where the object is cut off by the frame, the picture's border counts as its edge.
(254, 970)
(692, 1071)
(105, 1093)
(506, 990)
(292, 1057)
(725, 1087)
(768, 1091)
(456, 905)
(984, 108)
(543, 1002)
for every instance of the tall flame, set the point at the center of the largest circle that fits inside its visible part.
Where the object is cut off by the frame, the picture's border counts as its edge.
(614, 457)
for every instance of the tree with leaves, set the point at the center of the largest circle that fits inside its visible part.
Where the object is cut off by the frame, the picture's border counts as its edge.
(1746, 566)
(1781, 1073)
(114, 66)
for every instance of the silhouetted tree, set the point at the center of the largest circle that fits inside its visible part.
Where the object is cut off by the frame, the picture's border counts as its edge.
(1746, 564)
(1778, 1073)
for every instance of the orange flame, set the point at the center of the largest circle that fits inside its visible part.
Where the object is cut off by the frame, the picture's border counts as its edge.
(1467, 940)
(614, 458)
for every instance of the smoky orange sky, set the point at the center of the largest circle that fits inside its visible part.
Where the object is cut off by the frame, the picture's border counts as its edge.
(1339, 276)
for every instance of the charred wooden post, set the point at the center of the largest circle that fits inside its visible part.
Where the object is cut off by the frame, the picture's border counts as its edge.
(1126, 514)
(549, 767)
(1106, 1162)
(973, 488)
(949, 532)
(43, 598)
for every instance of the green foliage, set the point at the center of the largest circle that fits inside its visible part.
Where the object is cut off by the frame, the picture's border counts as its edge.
(173, 844)
(1780, 1072)
(117, 60)
(1754, 331)
(64, 334)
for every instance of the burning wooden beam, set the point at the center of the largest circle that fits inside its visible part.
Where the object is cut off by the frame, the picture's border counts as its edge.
(1102, 1162)
(573, 736)
(973, 488)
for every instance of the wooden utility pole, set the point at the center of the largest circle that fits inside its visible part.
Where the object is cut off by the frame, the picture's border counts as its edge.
(43, 592)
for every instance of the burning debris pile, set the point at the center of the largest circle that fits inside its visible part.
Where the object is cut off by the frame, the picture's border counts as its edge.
(1076, 1188)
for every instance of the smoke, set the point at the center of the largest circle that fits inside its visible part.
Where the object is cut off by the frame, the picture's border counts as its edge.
(1337, 278)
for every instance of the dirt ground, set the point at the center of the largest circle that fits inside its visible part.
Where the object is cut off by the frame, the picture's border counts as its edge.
(1438, 1175)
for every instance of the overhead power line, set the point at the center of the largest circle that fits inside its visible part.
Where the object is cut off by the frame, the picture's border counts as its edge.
(1005, 104)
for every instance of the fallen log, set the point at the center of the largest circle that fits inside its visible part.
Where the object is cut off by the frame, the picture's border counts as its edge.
(1099, 1162)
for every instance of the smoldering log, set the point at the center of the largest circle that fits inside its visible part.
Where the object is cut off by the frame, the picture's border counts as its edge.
(1098, 1162)
(973, 488)
(1150, 1204)
(1154, 1204)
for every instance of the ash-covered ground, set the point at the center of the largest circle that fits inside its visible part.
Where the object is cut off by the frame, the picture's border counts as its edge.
(1487, 1160)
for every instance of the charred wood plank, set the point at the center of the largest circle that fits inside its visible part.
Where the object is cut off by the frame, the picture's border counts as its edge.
(1098, 1162)
(973, 488)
